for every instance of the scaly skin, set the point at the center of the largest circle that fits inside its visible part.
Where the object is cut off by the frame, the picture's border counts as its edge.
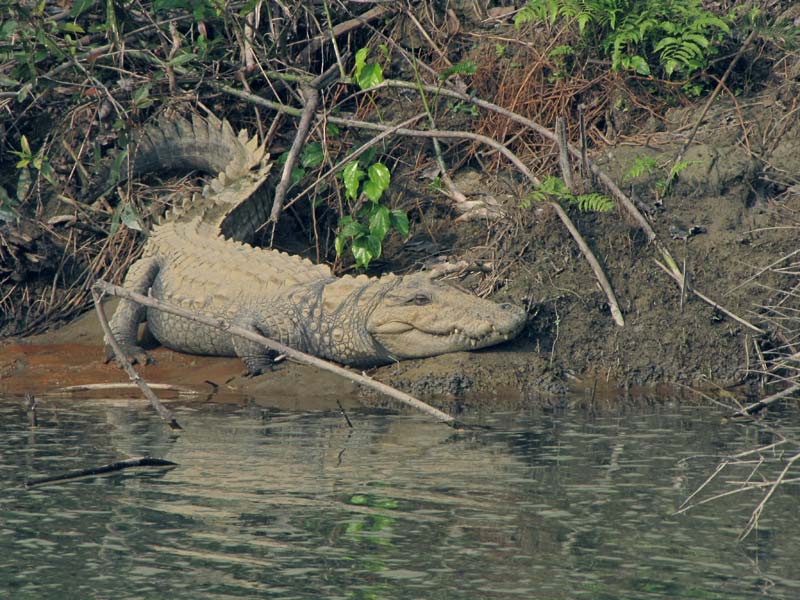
(196, 258)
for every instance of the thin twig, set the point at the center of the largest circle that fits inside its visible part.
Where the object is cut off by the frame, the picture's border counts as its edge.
(123, 361)
(342, 28)
(709, 102)
(755, 407)
(301, 357)
(709, 301)
(756, 514)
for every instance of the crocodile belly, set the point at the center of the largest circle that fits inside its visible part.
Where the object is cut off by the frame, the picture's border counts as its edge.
(184, 334)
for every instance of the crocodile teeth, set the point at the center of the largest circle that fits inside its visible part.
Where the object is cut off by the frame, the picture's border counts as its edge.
(473, 342)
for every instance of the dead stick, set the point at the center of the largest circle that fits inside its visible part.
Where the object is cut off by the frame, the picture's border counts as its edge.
(311, 97)
(584, 143)
(301, 357)
(444, 134)
(755, 407)
(123, 361)
(141, 461)
(563, 153)
(310, 94)
(342, 28)
(709, 301)
(756, 514)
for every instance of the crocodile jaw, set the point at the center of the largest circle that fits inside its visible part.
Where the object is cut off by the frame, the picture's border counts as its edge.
(448, 320)
(403, 341)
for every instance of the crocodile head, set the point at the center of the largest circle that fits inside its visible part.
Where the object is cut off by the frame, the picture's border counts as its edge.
(420, 316)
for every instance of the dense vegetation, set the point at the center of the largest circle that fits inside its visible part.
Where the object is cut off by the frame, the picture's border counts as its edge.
(77, 77)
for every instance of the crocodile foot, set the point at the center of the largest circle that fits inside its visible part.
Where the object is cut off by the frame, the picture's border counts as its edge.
(133, 353)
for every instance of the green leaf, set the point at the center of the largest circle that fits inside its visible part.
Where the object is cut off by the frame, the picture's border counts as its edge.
(72, 28)
(332, 130)
(371, 75)
(339, 243)
(374, 245)
(399, 220)
(379, 222)
(372, 191)
(130, 218)
(26, 148)
(297, 174)
(7, 81)
(23, 183)
(639, 64)
(181, 59)
(140, 95)
(379, 174)
(48, 173)
(352, 175)
(362, 252)
(7, 28)
(312, 156)
(352, 229)
(361, 61)
(79, 7)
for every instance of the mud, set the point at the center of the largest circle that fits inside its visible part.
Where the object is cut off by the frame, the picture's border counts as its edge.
(735, 195)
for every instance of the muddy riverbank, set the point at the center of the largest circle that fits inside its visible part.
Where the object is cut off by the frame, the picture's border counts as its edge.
(737, 226)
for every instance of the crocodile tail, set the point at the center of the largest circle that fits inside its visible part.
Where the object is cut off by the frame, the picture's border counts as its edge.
(174, 143)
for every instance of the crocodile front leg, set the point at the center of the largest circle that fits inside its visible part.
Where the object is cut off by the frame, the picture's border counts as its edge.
(126, 319)
(257, 358)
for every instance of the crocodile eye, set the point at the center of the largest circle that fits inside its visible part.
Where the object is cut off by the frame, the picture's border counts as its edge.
(420, 299)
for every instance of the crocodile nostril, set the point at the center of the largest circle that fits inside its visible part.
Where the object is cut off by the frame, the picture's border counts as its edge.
(506, 306)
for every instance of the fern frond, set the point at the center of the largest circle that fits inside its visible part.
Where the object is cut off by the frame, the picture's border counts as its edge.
(593, 202)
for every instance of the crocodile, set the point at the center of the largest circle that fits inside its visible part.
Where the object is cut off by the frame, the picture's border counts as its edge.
(199, 256)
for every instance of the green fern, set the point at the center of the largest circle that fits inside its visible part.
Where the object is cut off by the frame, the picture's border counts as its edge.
(593, 202)
(641, 165)
(555, 188)
(675, 35)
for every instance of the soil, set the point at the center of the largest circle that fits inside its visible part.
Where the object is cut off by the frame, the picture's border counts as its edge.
(731, 212)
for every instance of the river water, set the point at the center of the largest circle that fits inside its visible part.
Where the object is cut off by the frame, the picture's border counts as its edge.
(267, 502)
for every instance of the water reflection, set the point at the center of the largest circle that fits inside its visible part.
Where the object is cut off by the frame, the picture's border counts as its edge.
(268, 503)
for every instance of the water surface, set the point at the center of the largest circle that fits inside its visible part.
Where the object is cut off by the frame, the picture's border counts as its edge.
(270, 503)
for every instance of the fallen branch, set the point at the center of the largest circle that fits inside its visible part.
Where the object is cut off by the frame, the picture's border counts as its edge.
(301, 357)
(141, 461)
(310, 94)
(123, 361)
(90, 387)
(613, 305)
